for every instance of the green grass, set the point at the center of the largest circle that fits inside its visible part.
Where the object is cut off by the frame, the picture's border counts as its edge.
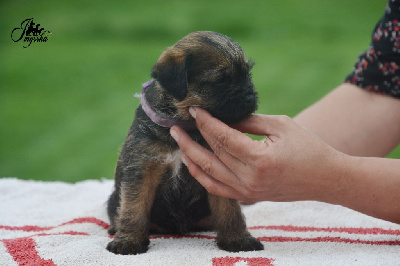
(66, 105)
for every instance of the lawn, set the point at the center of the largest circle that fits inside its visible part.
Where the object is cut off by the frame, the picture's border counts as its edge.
(66, 104)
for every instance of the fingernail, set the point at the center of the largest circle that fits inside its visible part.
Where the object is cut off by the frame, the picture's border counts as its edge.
(174, 134)
(192, 111)
(184, 160)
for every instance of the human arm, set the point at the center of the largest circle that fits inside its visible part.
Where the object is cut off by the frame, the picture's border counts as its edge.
(355, 121)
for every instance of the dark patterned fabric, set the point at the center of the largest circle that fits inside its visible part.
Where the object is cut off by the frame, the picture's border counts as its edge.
(377, 69)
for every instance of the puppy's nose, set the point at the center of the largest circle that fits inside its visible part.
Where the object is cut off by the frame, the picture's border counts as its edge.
(250, 99)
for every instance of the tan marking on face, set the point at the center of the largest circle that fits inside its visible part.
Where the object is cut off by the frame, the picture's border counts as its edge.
(190, 100)
(171, 55)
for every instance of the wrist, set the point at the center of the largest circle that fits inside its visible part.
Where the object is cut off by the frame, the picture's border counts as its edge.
(336, 179)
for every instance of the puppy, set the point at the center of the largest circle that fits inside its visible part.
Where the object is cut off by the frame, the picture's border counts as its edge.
(154, 192)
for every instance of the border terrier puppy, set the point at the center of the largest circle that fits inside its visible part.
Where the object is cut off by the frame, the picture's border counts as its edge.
(154, 192)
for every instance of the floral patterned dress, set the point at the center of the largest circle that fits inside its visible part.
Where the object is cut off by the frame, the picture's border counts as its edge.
(378, 68)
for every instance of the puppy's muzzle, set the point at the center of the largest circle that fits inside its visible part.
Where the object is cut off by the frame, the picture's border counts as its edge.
(236, 107)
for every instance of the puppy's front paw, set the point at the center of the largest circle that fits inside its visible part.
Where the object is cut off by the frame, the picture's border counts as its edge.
(124, 247)
(248, 243)
(112, 231)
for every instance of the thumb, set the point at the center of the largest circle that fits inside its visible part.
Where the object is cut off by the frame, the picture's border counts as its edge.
(262, 125)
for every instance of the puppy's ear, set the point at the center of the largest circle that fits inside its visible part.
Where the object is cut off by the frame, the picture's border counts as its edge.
(171, 72)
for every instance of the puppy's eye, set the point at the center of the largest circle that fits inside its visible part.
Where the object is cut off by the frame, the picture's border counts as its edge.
(222, 80)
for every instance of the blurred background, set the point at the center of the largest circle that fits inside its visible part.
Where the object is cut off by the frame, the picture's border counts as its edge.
(66, 105)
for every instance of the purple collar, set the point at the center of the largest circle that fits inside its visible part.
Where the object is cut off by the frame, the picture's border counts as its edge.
(161, 119)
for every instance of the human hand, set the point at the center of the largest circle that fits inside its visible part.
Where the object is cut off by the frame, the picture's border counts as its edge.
(290, 164)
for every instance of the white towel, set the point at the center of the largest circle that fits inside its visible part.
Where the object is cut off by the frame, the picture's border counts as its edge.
(55, 223)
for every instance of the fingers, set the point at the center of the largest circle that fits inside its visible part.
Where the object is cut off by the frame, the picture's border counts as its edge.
(230, 145)
(227, 171)
(211, 184)
(268, 125)
(204, 159)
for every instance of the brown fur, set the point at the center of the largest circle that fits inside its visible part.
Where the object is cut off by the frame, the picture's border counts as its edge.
(154, 192)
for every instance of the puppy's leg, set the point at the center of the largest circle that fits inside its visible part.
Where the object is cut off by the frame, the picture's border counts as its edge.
(232, 234)
(112, 208)
(114, 200)
(132, 225)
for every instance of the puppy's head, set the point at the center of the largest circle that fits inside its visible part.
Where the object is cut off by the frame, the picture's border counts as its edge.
(209, 70)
